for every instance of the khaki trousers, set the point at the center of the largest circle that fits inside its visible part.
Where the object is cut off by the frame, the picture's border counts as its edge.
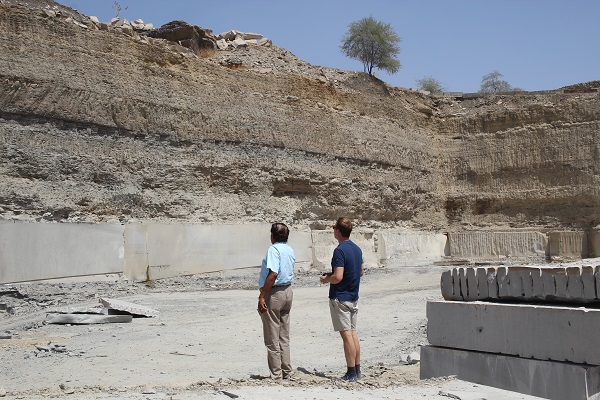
(276, 330)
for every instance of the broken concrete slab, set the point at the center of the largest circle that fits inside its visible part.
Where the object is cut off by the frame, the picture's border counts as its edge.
(121, 306)
(548, 379)
(86, 319)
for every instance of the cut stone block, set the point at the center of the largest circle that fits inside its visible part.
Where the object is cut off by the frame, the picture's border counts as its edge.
(574, 284)
(462, 277)
(560, 281)
(456, 284)
(492, 245)
(515, 283)
(472, 290)
(502, 278)
(532, 331)
(537, 287)
(85, 319)
(547, 379)
(588, 281)
(548, 283)
(555, 284)
(492, 283)
(447, 286)
(129, 308)
(482, 283)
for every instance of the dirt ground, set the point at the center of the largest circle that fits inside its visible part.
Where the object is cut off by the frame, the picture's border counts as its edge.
(207, 342)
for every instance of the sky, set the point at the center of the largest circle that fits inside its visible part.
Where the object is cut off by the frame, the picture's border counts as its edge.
(534, 44)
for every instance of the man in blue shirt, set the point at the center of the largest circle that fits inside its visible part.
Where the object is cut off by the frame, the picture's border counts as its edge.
(344, 280)
(275, 301)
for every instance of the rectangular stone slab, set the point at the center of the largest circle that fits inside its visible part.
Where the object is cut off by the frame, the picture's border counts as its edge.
(532, 331)
(131, 308)
(547, 379)
(86, 319)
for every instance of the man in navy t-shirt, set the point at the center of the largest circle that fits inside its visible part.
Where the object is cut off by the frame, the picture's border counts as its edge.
(344, 280)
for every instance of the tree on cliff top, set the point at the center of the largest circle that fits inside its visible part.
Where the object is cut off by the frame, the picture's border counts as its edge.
(493, 83)
(373, 43)
(430, 84)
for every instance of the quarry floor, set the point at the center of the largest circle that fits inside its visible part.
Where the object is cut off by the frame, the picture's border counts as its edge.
(207, 343)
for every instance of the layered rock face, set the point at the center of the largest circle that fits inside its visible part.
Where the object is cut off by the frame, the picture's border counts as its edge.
(103, 125)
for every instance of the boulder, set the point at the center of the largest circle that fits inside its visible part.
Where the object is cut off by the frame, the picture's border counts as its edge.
(191, 36)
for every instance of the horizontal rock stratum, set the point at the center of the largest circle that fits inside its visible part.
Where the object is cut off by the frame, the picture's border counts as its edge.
(109, 125)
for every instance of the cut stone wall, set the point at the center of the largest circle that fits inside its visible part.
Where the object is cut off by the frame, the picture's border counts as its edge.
(409, 247)
(567, 244)
(486, 245)
(33, 251)
(143, 251)
(180, 249)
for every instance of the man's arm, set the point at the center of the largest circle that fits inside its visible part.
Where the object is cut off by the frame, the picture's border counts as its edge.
(336, 277)
(269, 282)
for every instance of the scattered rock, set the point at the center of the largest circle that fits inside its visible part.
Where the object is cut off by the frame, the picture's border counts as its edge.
(413, 358)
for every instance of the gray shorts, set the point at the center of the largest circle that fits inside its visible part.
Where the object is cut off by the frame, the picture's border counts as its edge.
(343, 314)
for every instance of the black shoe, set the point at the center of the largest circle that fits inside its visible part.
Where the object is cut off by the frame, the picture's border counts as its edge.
(349, 378)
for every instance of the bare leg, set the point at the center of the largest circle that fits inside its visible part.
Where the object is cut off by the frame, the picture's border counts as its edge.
(350, 350)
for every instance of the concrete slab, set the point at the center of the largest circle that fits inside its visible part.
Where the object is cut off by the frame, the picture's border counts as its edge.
(531, 331)
(546, 379)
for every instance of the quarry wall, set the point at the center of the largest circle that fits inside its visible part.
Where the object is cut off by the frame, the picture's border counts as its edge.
(109, 127)
(149, 251)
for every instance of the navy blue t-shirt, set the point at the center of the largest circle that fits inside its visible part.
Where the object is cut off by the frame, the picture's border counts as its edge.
(349, 256)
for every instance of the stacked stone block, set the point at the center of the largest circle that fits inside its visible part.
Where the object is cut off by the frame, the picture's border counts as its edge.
(578, 284)
(525, 329)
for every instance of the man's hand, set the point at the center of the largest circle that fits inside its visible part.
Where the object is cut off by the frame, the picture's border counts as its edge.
(323, 278)
(262, 307)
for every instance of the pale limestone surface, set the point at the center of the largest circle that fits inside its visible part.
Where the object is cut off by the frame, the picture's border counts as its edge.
(208, 341)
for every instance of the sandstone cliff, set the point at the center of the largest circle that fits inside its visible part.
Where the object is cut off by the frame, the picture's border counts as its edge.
(102, 125)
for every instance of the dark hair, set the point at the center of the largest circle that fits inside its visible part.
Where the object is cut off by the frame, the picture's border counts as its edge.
(344, 225)
(280, 232)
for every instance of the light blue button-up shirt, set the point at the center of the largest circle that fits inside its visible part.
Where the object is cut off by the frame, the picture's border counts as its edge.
(280, 259)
